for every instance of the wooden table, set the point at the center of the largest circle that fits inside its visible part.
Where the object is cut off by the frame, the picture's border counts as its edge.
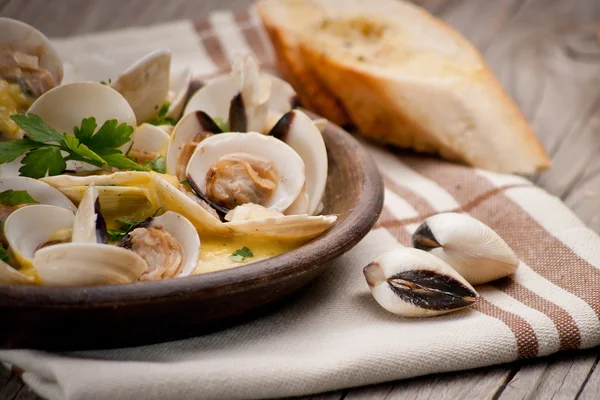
(546, 52)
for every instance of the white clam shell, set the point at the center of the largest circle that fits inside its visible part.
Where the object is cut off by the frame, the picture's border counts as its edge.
(19, 36)
(302, 135)
(287, 164)
(178, 89)
(86, 219)
(151, 139)
(169, 198)
(66, 106)
(215, 97)
(399, 261)
(185, 234)
(38, 190)
(472, 248)
(86, 264)
(255, 220)
(27, 228)
(184, 132)
(145, 85)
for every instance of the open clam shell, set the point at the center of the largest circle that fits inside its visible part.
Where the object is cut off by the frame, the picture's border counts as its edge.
(171, 248)
(298, 131)
(188, 132)
(284, 161)
(87, 264)
(29, 67)
(19, 36)
(66, 106)
(178, 90)
(30, 228)
(218, 97)
(145, 85)
(40, 191)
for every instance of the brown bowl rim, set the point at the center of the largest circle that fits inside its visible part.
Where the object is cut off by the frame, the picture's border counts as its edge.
(342, 236)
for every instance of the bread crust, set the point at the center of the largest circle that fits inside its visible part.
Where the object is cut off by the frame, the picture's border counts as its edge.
(472, 118)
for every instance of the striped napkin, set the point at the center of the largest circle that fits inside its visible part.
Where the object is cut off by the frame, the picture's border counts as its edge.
(334, 335)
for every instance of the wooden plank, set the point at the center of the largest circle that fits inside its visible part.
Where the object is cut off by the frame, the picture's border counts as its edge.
(481, 383)
(591, 388)
(556, 377)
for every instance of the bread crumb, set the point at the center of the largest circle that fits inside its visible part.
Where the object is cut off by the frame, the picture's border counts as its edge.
(590, 194)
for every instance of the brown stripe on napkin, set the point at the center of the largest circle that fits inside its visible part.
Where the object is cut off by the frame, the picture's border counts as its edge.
(253, 38)
(568, 332)
(211, 44)
(527, 342)
(524, 235)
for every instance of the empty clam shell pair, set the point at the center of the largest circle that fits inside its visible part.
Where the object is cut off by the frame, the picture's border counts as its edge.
(452, 252)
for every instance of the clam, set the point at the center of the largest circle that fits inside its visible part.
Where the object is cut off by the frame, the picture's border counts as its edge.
(87, 259)
(248, 99)
(258, 221)
(231, 169)
(472, 248)
(169, 244)
(30, 228)
(189, 131)
(413, 283)
(66, 106)
(298, 131)
(145, 84)
(29, 67)
(149, 142)
(149, 82)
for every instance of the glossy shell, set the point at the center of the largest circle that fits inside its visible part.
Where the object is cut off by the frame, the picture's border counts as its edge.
(288, 165)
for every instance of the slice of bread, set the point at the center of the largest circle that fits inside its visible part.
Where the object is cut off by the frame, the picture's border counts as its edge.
(402, 77)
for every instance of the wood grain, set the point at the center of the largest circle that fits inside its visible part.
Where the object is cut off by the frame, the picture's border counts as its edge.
(547, 55)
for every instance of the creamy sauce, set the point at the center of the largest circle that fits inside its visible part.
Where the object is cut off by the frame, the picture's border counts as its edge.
(12, 101)
(214, 253)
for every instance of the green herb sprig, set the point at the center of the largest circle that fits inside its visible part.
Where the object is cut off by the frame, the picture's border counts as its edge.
(161, 118)
(241, 254)
(13, 198)
(45, 148)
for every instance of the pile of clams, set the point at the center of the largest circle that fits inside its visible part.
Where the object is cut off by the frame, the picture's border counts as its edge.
(233, 176)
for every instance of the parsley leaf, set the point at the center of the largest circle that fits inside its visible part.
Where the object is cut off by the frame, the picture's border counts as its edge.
(126, 227)
(88, 127)
(240, 254)
(36, 128)
(11, 150)
(106, 83)
(161, 118)
(222, 124)
(43, 157)
(15, 197)
(37, 163)
(4, 254)
(81, 150)
(110, 135)
(118, 160)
